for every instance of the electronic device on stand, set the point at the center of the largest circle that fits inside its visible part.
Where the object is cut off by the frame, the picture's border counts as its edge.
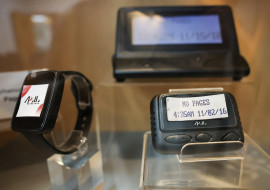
(195, 41)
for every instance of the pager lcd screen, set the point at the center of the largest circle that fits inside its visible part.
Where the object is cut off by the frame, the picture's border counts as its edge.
(166, 30)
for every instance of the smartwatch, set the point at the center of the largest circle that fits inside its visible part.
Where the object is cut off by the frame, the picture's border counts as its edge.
(38, 105)
(195, 119)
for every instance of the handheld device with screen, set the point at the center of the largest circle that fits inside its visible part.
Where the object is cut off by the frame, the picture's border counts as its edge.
(178, 119)
(177, 42)
(38, 105)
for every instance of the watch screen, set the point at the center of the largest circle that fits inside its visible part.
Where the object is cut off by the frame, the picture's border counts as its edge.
(165, 30)
(32, 100)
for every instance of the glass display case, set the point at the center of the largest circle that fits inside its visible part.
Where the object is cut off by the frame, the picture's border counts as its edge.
(80, 35)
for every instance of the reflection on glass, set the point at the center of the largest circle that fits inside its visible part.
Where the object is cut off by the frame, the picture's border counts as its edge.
(42, 26)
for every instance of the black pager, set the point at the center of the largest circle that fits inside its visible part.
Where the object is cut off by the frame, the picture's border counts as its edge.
(178, 119)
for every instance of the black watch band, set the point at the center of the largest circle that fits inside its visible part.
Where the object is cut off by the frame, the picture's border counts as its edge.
(81, 88)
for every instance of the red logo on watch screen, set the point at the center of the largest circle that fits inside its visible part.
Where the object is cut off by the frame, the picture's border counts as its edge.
(26, 88)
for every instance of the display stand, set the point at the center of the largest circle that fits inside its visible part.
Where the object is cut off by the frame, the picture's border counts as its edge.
(188, 171)
(80, 170)
(200, 169)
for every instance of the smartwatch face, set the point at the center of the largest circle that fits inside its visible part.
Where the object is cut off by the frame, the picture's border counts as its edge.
(32, 100)
(35, 101)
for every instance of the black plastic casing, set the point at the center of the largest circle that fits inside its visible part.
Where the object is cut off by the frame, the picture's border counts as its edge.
(45, 123)
(216, 128)
(178, 60)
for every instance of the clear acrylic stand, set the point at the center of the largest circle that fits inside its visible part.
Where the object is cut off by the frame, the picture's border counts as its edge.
(226, 154)
(80, 170)
(211, 170)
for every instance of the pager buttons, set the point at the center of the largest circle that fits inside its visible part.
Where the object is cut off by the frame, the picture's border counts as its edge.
(178, 139)
(203, 137)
